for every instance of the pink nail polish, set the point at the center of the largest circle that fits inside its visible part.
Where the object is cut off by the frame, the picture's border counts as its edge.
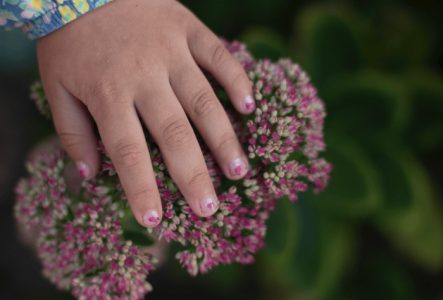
(208, 206)
(83, 169)
(249, 104)
(151, 218)
(237, 167)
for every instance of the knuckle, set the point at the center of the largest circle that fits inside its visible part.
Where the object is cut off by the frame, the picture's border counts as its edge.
(218, 54)
(198, 178)
(102, 97)
(128, 153)
(177, 133)
(203, 103)
(71, 139)
(140, 66)
(102, 90)
(226, 141)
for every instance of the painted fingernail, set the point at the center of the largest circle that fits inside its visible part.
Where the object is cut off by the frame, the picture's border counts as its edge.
(83, 169)
(151, 218)
(237, 167)
(249, 104)
(208, 206)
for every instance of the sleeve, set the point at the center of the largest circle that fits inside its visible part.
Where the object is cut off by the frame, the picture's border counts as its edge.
(38, 18)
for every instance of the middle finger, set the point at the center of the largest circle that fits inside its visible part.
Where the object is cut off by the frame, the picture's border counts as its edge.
(170, 128)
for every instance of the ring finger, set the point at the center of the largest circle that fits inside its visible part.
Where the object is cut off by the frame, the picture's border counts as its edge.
(207, 113)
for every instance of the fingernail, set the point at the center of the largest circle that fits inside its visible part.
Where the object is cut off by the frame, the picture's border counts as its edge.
(151, 218)
(237, 167)
(208, 206)
(249, 104)
(83, 169)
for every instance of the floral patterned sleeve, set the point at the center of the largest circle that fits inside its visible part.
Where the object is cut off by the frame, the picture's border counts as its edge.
(38, 18)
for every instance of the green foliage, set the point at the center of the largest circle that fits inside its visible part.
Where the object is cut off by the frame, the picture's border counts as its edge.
(309, 258)
(406, 41)
(265, 43)
(385, 112)
(410, 217)
(366, 106)
(354, 188)
(380, 277)
(328, 43)
(425, 128)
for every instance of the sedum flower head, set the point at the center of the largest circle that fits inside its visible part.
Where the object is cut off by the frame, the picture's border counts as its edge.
(81, 241)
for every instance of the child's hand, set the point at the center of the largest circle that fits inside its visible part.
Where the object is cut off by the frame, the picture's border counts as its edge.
(141, 57)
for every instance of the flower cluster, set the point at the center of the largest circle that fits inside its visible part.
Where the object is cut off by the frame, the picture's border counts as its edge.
(82, 244)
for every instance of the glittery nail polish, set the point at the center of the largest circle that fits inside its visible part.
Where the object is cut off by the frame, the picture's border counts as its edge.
(249, 104)
(208, 205)
(83, 169)
(151, 218)
(237, 167)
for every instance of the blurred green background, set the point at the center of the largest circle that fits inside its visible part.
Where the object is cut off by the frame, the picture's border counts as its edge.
(377, 231)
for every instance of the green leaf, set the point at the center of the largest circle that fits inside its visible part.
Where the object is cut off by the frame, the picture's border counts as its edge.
(396, 190)
(282, 235)
(366, 106)
(406, 40)
(328, 43)
(410, 216)
(311, 265)
(354, 188)
(425, 129)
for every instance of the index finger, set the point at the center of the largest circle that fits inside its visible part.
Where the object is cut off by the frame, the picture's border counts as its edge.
(210, 53)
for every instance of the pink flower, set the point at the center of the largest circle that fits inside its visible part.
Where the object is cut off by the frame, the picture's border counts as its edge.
(81, 237)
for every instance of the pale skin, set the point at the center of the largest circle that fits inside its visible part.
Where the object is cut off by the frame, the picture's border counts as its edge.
(138, 63)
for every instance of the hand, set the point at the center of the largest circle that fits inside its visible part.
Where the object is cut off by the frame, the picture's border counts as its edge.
(135, 58)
